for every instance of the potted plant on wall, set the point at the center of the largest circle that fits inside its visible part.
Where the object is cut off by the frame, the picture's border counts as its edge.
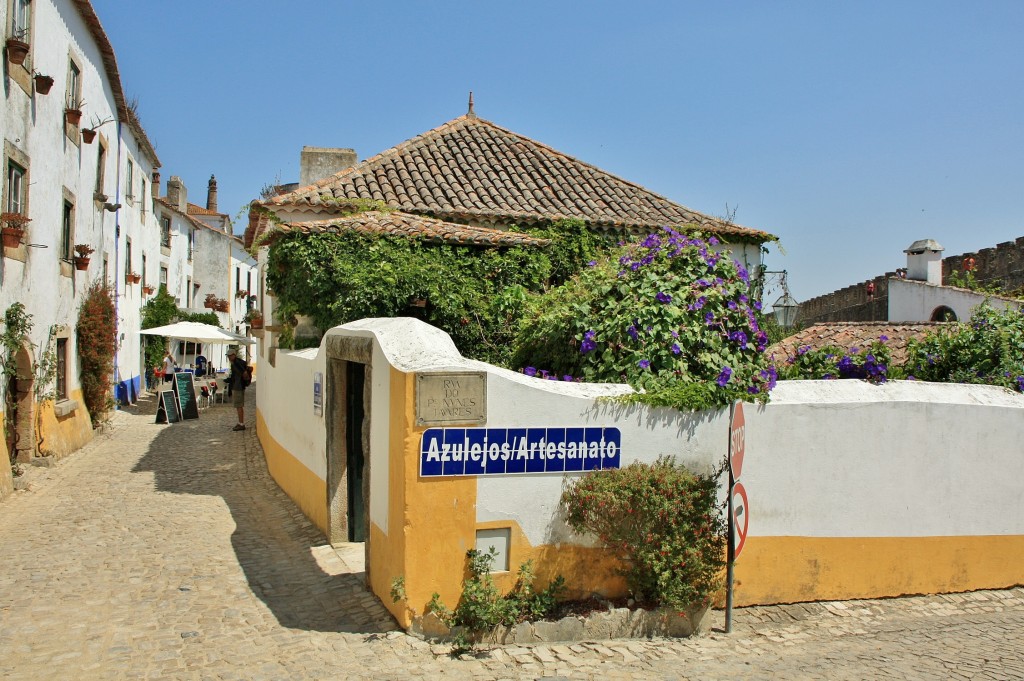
(211, 301)
(148, 289)
(82, 253)
(254, 318)
(222, 305)
(43, 83)
(17, 48)
(73, 111)
(89, 134)
(13, 228)
(134, 277)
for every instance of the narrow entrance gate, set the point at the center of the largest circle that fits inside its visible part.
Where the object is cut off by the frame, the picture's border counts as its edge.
(347, 393)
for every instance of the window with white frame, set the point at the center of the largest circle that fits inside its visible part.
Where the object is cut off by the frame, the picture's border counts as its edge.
(73, 96)
(16, 186)
(21, 20)
(129, 182)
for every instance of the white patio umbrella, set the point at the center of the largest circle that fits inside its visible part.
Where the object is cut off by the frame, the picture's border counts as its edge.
(197, 332)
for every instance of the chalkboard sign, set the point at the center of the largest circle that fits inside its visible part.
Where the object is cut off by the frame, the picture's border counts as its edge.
(186, 389)
(167, 407)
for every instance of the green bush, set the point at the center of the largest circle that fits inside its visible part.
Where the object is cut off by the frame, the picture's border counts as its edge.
(482, 606)
(662, 522)
(668, 315)
(987, 349)
(872, 362)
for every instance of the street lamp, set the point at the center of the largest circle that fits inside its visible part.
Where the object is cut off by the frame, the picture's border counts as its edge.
(786, 307)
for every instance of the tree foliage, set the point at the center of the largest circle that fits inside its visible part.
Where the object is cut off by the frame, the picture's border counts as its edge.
(989, 348)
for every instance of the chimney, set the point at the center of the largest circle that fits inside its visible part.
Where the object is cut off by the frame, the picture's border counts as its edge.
(924, 261)
(211, 194)
(317, 163)
(177, 195)
(156, 184)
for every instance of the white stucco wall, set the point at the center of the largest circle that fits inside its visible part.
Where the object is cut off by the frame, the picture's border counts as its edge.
(285, 398)
(916, 301)
(903, 459)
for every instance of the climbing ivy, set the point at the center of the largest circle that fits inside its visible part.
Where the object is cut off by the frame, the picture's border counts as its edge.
(475, 294)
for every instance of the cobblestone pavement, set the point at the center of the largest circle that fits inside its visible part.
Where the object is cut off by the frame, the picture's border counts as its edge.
(168, 552)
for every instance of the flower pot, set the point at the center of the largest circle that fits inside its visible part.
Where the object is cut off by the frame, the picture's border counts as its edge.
(12, 236)
(256, 322)
(88, 135)
(134, 278)
(43, 84)
(17, 51)
(73, 116)
(81, 264)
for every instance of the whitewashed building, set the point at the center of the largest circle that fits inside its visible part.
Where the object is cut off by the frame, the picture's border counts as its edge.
(78, 163)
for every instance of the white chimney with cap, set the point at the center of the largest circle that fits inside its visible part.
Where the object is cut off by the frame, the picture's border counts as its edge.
(924, 261)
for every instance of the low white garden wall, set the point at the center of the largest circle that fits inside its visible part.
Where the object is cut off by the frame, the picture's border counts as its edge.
(854, 490)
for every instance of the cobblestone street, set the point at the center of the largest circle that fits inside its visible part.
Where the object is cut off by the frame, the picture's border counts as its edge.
(168, 552)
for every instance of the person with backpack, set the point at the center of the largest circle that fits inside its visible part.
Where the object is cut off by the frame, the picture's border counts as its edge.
(238, 381)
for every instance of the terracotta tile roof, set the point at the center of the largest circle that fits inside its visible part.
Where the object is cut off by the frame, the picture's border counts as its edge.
(854, 334)
(193, 209)
(471, 170)
(194, 221)
(403, 224)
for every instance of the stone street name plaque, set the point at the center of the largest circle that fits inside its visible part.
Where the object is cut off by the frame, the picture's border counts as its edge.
(443, 399)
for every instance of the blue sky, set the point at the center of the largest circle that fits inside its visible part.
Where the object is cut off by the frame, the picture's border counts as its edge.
(849, 130)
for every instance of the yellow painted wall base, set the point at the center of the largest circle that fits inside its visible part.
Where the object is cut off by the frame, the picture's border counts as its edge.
(62, 436)
(307, 490)
(793, 569)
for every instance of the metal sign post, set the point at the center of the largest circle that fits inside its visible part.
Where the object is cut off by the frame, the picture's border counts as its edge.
(737, 448)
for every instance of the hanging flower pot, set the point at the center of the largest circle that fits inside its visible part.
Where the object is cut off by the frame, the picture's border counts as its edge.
(81, 263)
(133, 277)
(88, 135)
(12, 236)
(43, 84)
(13, 228)
(73, 116)
(17, 51)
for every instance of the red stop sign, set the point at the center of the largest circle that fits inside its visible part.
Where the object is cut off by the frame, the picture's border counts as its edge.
(737, 441)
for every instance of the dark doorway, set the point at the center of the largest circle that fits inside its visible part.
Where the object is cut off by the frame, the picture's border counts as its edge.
(355, 377)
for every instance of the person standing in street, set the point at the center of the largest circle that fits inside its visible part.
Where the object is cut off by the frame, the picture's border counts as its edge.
(168, 367)
(237, 384)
